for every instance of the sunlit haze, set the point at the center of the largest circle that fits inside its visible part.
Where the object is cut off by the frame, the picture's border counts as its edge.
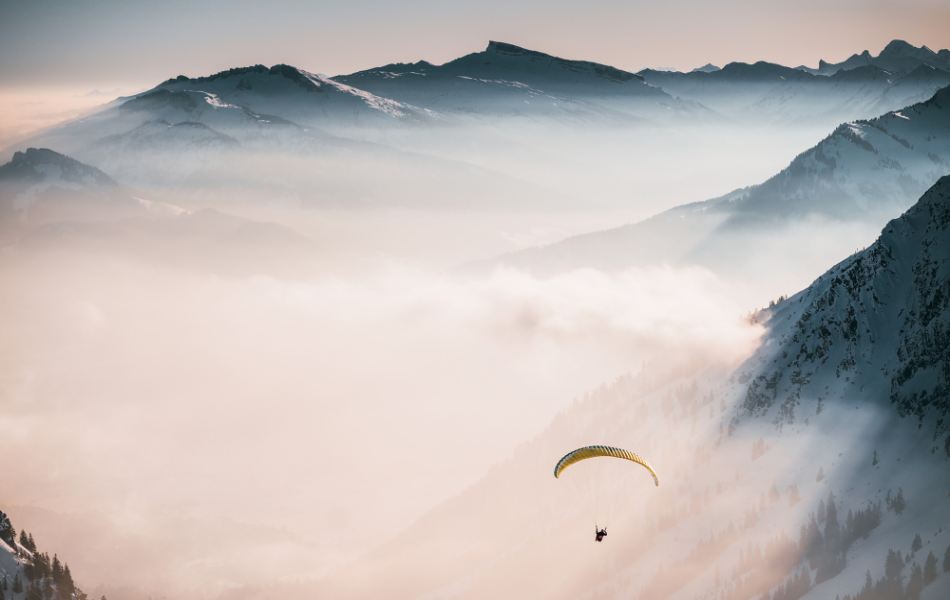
(308, 299)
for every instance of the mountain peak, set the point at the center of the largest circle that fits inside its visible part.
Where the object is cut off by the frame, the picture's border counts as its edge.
(45, 164)
(707, 68)
(504, 50)
(505, 47)
(283, 70)
(901, 47)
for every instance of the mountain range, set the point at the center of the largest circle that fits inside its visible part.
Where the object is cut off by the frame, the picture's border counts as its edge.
(504, 80)
(856, 88)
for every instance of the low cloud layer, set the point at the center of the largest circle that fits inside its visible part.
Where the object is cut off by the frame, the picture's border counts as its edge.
(146, 400)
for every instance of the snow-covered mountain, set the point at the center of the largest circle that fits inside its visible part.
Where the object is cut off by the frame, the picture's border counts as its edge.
(819, 468)
(902, 75)
(878, 321)
(856, 177)
(305, 98)
(507, 80)
(280, 107)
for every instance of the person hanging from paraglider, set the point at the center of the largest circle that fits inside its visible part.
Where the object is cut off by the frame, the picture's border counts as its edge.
(576, 456)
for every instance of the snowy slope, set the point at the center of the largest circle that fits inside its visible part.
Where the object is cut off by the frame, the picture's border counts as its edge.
(507, 80)
(801, 492)
(305, 98)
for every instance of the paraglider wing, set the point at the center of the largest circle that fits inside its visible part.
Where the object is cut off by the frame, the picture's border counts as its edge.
(596, 451)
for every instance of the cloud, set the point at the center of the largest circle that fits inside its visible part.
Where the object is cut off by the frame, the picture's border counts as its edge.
(149, 396)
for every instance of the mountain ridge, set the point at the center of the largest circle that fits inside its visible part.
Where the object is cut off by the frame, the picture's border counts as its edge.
(864, 171)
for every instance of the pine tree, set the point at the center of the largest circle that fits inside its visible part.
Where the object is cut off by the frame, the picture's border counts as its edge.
(832, 528)
(7, 532)
(34, 592)
(17, 584)
(930, 568)
(57, 570)
(893, 565)
(68, 586)
(3, 594)
(946, 560)
(899, 503)
(915, 585)
(916, 545)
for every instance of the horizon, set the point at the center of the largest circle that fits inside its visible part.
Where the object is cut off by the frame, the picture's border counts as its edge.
(326, 38)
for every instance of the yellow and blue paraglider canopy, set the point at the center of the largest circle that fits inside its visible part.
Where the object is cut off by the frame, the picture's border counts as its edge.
(586, 452)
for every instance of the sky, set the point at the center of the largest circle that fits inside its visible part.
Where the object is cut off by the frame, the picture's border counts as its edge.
(111, 43)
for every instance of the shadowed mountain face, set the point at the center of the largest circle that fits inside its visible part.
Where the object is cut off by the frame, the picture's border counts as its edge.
(857, 88)
(789, 478)
(43, 166)
(506, 80)
(858, 176)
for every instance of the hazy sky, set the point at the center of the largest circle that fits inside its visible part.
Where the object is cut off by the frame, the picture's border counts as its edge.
(98, 43)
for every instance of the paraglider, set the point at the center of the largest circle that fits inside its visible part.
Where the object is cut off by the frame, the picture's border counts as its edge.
(587, 452)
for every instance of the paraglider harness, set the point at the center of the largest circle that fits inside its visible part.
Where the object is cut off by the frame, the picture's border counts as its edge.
(600, 534)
